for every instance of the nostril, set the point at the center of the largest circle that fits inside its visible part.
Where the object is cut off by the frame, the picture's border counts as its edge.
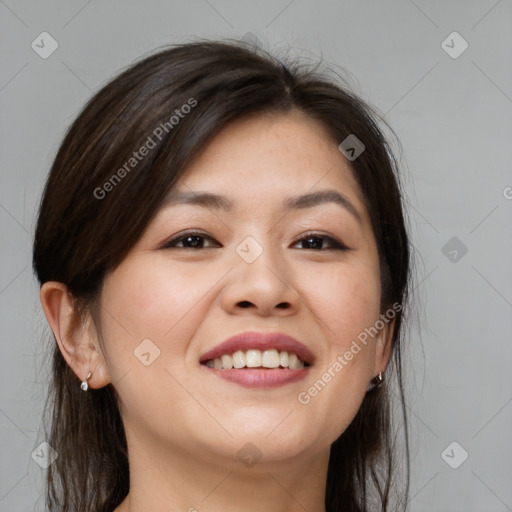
(245, 304)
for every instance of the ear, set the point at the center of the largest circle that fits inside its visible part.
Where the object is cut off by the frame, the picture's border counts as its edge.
(384, 346)
(77, 339)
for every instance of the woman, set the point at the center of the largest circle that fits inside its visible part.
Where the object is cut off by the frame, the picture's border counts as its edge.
(224, 265)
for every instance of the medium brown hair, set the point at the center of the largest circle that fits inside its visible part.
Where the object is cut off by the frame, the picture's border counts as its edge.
(89, 219)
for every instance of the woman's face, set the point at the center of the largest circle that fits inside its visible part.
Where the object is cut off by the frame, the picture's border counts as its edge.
(255, 267)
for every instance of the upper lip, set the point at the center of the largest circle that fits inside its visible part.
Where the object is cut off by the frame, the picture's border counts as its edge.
(260, 341)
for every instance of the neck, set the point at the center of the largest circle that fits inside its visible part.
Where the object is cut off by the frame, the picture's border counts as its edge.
(191, 481)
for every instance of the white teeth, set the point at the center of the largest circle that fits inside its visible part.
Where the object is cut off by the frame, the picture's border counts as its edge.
(253, 359)
(257, 359)
(270, 359)
(299, 363)
(295, 362)
(227, 362)
(238, 359)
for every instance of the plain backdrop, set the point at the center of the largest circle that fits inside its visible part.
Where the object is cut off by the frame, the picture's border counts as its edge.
(451, 108)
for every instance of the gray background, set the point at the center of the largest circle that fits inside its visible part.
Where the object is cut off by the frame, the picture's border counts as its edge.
(453, 117)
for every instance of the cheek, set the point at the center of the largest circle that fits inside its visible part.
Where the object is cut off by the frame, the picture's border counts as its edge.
(155, 302)
(154, 296)
(346, 302)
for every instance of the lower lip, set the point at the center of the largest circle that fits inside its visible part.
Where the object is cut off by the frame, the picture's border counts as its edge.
(253, 378)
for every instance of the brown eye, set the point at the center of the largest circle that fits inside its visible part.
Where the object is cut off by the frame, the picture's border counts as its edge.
(316, 241)
(191, 240)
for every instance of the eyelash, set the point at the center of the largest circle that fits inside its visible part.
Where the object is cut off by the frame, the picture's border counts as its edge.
(336, 246)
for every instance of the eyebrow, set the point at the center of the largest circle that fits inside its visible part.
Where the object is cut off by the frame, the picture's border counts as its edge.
(218, 202)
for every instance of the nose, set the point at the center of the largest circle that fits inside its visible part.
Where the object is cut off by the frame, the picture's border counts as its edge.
(263, 287)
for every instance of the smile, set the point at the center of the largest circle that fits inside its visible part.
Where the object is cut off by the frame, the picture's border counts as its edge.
(253, 358)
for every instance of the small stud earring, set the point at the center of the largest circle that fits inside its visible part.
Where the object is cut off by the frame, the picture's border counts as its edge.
(376, 381)
(85, 385)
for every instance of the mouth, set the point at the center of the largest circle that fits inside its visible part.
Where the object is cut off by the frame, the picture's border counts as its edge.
(259, 360)
(254, 358)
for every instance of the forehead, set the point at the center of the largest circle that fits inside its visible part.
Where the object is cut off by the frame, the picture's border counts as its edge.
(271, 156)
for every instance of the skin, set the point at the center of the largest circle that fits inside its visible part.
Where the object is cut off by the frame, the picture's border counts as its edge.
(184, 425)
